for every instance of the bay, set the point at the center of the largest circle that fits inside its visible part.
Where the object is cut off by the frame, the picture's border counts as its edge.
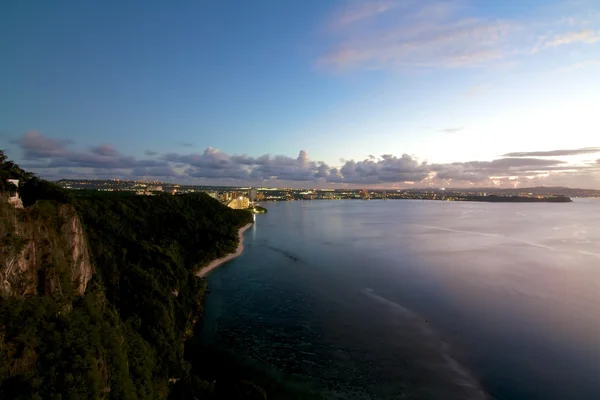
(416, 299)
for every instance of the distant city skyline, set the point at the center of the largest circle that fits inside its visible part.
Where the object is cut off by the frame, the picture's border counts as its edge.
(382, 93)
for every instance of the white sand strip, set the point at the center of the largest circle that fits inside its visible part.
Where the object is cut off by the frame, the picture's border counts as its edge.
(215, 263)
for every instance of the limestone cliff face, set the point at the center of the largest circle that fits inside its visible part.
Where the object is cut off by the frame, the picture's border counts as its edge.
(43, 251)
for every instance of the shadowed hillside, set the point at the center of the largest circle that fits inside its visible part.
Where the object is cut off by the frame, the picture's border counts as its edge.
(118, 334)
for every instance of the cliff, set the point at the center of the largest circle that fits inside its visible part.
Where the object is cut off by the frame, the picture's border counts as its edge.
(43, 252)
(115, 330)
(120, 334)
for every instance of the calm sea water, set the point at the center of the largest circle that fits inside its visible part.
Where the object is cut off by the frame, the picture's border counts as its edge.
(417, 299)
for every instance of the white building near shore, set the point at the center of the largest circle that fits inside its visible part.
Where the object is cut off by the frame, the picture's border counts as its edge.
(240, 203)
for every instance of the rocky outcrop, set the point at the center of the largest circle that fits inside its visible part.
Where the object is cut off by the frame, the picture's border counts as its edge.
(81, 270)
(43, 251)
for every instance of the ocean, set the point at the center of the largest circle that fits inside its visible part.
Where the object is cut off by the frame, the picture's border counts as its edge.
(408, 299)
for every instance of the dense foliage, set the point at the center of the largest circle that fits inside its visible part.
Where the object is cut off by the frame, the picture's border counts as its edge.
(51, 352)
(124, 338)
(146, 250)
(36, 189)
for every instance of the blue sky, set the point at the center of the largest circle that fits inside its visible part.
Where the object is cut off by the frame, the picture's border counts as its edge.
(304, 93)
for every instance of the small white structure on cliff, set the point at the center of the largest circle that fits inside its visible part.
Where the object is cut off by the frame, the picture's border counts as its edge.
(13, 197)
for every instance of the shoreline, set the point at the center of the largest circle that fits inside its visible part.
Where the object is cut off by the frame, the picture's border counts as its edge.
(216, 263)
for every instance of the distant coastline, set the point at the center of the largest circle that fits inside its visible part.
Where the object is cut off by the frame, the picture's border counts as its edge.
(263, 195)
(487, 199)
(216, 263)
(518, 199)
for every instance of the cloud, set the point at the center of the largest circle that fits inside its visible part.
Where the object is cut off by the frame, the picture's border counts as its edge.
(417, 34)
(154, 171)
(579, 65)
(105, 150)
(584, 36)
(187, 144)
(480, 171)
(47, 152)
(516, 163)
(554, 153)
(55, 159)
(213, 163)
(358, 11)
(451, 130)
(151, 153)
(377, 35)
(386, 169)
(36, 146)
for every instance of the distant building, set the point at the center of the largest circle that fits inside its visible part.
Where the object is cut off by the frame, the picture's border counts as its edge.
(225, 196)
(239, 203)
(252, 194)
(155, 188)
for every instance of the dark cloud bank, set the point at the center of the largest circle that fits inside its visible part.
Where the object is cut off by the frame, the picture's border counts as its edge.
(55, 159)
(555, 153)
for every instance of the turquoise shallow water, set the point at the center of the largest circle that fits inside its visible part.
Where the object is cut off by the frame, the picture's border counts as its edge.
(417, 299)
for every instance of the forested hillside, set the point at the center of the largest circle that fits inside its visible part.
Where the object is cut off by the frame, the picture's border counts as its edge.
(123, 338)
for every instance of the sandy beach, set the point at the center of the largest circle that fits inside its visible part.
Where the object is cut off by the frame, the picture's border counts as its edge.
(214, 264)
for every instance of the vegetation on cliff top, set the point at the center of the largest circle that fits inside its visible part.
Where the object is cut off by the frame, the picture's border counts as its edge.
(123, 339)
(10, 170)
(260, 210)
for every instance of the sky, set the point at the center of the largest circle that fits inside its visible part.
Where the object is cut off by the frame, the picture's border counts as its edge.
(311, 93)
